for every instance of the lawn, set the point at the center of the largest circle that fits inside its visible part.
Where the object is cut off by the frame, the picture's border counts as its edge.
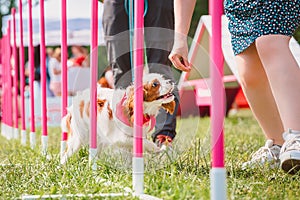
(182, 175)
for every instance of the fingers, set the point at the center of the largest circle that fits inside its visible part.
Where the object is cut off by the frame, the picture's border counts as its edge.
(179, 62)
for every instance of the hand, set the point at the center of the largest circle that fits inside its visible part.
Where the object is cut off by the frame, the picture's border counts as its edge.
(179, 61)
(179, 54)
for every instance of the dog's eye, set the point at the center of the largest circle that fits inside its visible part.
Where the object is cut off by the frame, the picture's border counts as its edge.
(155, 84)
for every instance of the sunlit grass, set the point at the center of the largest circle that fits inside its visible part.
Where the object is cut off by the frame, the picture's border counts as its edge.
(183, 175)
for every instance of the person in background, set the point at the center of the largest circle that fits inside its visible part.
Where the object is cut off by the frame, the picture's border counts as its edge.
(49, 54)
(37, 72)
(269, 74)
(79, 57)
(55, 72)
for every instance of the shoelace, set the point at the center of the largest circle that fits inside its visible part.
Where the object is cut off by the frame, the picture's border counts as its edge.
(292, 142)
(264, 151)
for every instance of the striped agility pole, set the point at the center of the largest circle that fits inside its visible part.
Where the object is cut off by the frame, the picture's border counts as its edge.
(22, 76)
(64, 75)
(43, 79)
(15, 78)
(218, 171)
(31, 76)
(93, 84)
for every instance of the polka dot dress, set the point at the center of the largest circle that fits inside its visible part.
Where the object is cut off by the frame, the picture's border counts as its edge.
(250, 19)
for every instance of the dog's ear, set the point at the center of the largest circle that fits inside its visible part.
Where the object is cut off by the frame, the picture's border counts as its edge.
(129, 106)
(169, 107)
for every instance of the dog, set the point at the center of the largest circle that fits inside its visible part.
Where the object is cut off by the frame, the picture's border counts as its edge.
(115, 115)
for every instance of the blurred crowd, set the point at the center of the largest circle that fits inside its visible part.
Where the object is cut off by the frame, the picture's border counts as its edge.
(78, 58)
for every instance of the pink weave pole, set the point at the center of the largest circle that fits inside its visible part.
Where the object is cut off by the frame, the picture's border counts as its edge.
(138, 162)
(2, 99)
(9, 104)
(4, 86)
(64, 75)
(218, 172)
(22, 75)
(43, 79)
(2, 82)
(31, 76)
(93, 84)
(15, 78)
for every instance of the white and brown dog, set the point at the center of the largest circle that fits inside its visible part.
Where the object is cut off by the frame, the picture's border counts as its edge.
(115, 115)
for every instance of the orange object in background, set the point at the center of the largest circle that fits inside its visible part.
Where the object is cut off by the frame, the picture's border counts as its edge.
(241, 100)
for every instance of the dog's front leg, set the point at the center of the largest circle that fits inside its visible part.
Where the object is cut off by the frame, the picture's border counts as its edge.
(149, 146)
(73, 145)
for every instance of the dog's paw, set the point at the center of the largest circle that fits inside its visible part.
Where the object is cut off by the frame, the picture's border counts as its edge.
(151, 147)
(63, 159)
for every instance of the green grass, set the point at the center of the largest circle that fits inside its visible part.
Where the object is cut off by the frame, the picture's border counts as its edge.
(184, 176)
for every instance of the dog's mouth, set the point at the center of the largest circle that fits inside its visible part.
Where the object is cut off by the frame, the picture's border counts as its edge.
(165, 96)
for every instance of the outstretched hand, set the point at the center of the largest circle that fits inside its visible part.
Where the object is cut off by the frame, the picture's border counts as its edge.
(179, 54)
(179, 62)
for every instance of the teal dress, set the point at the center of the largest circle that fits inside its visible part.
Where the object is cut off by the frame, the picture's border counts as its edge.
(250, 19)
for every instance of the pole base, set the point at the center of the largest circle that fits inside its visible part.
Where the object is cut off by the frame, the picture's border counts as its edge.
(44, 144)
(23, 137)
(138, 175)
(32, 139)
(93, 158)
(16, 133)
(218, 184)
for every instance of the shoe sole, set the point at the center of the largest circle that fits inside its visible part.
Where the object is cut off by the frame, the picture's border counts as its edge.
(290, 162)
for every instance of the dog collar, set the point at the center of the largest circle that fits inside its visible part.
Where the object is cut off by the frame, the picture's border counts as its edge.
(148, 120)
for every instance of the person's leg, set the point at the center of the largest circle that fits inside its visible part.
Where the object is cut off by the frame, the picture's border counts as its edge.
(159, 34)
(115, 27)
(256, 87)
(284, 75)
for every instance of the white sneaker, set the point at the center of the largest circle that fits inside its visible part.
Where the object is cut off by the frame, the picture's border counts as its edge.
(266, 155)
(290, 152)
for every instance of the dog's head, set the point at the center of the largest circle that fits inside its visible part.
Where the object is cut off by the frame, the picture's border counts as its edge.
(157, 93)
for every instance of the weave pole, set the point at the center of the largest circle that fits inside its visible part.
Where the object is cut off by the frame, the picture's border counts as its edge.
(138, 61)
(22, 76)
(31, 76)
(64, 75)
(93, 84)
(9, 110)
(43, 79)
(218, 172)
(15, 78)
(4, 86)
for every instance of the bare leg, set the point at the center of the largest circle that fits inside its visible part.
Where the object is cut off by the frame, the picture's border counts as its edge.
(284, 76)
(258, 93)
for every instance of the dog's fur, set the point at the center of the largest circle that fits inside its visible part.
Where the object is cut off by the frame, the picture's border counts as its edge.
(111, 104)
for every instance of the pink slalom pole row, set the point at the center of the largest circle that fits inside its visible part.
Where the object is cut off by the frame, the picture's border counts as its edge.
(43, 79)
(64, 57)
(138, 162)
(22, 75)
(31, 76)
(93, 84)
(218, 172)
